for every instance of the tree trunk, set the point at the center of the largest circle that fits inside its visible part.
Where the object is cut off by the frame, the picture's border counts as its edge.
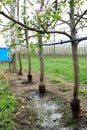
(29, 76)
(41, 60)
(19, 55)
(14, 63)
(12, 11)
(13, 56)
(20, 64)
(75, 103)
(42, 85)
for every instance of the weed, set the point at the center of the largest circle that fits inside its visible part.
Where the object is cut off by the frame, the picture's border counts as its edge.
(84, 92)
(64, 90)
(7, 106)
(55, 81)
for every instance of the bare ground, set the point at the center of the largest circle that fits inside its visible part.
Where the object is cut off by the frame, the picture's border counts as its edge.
(25, 117)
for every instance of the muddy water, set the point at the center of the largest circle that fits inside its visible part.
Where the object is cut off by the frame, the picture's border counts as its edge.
(48, 114)
(47, 111)
(52, 111)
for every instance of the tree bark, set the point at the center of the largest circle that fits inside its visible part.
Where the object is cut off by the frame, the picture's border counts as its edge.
(19, 55)
(12, 11)
(75, 103)
(41, 60)
(20, 64)
(29, 76)
(42, 85)
(29, 57)
(42, 88)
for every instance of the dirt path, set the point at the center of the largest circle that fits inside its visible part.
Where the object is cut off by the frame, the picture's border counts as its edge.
(30, 104)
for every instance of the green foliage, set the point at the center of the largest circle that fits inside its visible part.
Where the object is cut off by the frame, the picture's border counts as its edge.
(7, 1)
(77, 3)
(1, 19)
(55, 81)
(84, 92)
(31, 4)
(47, 36)
(32, 48)
(1, 0)
(43, 18)
(46, 16)
(0, 7)
(56, 16)
(7, 106)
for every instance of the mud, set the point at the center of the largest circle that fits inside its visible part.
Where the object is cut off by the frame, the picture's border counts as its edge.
(48, 112)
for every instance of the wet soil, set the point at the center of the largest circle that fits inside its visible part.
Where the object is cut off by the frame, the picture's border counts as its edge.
(48, 112)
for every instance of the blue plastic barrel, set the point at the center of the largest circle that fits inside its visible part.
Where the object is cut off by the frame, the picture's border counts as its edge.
(4, 55)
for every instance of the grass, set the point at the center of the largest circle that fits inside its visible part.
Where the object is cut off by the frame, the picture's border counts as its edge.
(7, 106)
(53, 80)
(62, 67)
(58, 67)
(84, 92)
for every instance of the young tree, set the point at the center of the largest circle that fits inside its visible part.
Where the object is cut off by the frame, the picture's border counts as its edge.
(12, 12)
(19, 55)
(75, 104)
(27, 46)
(42, 85)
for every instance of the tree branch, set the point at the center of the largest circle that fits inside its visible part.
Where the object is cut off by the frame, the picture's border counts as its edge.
(8, 28)
(66, 22)
(33, 29)
(23, 25)
(79, 19)
(60, 32)
(80, 16)
(6, 9)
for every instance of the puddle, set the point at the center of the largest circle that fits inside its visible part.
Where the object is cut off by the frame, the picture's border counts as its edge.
(21, 82)
(50, 117)
(18, 82)
(49, 112)
(64, 129)
(72, 128)
(50, 106)
(56, 116)
(35, 95)
(51, 120)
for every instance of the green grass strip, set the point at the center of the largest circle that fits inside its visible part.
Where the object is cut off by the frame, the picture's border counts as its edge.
(7, 106)
(58, 67)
